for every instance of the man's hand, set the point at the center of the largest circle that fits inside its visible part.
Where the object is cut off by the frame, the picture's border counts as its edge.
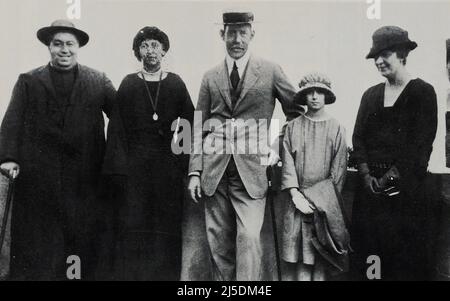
(195, 189)
(12, 168)
(301, 203)
(273, 158)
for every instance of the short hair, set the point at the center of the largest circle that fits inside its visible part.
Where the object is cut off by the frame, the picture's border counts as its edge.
(402, 53)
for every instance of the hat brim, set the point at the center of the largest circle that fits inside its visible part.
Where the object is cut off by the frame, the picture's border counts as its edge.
(411, 45)
(300, 97)
(236, 23)
(45, 34)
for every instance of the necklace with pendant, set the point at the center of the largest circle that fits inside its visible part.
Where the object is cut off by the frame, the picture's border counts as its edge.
(154, 103)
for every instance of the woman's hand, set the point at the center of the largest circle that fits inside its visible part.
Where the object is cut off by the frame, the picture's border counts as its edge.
(301, 203)
(371, 184)
(390, 177)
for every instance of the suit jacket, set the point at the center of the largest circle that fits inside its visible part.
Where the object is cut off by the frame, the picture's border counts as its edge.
(213, 140)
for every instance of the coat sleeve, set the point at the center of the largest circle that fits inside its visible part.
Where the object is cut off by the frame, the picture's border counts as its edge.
(202, 114)
(186, 113)
(359, 133)
(339, 162)
(186, 107)
(285, 93)
(13, 122)
(415, 153)
(115, 160)
(289, 177)
(110, 96)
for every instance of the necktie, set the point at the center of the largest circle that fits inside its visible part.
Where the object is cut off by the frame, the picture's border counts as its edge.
(234, 77)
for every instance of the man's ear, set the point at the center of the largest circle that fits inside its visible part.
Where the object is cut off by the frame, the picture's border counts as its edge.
(222, 34)
(253, 33)
(163, 53)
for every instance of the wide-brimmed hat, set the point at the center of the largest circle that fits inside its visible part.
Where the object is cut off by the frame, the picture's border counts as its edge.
(314, 81)
(389, 37)
(235, 17)
(45, 34)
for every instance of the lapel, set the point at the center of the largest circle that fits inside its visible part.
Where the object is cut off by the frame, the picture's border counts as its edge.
(251, 75)
(222, 81)
(77, 86)
(46, 80)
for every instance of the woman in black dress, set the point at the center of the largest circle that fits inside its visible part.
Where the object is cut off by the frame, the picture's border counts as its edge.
(149, 102)
(392, 140)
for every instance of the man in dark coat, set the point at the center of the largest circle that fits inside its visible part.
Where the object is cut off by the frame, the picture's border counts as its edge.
(52, 140)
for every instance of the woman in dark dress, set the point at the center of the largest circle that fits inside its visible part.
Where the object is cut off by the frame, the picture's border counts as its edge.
(392, 140)
(149, 241)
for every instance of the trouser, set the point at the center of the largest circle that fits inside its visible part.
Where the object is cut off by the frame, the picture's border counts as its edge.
(233, 227)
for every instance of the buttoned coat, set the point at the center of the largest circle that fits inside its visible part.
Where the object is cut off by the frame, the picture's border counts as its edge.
(60, 152)
(212, 146)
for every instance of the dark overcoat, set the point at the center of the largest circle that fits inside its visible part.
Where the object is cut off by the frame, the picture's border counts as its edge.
(60, 150)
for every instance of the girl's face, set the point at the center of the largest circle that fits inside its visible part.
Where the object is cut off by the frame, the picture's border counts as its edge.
(315, 100)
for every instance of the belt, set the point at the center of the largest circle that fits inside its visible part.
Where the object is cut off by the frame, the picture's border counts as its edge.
(380, 165)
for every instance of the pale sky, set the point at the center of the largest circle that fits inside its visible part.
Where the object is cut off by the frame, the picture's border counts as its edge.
(332, 37)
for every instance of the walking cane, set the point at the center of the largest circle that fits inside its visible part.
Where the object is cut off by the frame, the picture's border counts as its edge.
(270, 193)
(9, 199)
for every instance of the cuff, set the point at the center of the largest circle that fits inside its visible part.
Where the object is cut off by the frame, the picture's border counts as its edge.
(194, 173)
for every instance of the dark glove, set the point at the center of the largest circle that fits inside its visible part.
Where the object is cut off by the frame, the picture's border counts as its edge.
(390, 178)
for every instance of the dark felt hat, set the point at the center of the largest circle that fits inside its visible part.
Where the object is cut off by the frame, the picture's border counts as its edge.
(389, 37)
(45, 34)
(237, 18)
(316, 81)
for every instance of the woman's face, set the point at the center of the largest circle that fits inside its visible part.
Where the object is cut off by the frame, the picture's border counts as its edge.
(315, 100)
(388, 63)
(151, 52)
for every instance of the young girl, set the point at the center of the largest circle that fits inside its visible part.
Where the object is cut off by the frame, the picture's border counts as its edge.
(314, 153)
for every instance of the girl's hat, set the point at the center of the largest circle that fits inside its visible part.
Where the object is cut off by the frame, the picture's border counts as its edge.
(314, 81)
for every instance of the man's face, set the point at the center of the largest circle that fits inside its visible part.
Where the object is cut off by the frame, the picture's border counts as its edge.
(237, 37)
(63, 50)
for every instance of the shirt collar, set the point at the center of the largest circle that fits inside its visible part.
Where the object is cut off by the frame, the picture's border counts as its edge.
(240, 63)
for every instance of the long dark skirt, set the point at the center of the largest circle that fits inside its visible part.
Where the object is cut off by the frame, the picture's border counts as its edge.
(394, 229)
(149, 241)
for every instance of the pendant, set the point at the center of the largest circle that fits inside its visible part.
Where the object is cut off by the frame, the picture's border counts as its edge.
(155, 116)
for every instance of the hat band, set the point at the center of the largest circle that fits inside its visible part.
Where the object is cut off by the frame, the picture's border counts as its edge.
(315, 85)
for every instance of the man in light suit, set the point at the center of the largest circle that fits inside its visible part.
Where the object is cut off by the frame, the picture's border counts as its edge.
(237, 96)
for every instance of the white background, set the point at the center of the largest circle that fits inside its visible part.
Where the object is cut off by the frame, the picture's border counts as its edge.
(302, 36)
